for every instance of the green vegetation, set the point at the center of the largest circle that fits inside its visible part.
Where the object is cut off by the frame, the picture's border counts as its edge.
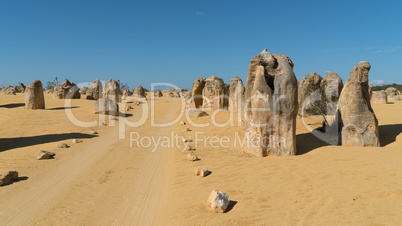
(384, 87)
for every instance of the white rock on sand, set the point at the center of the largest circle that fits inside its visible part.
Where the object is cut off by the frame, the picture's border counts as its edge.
(218, 201)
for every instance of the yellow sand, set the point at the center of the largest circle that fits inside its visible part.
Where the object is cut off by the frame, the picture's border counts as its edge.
(104, 181)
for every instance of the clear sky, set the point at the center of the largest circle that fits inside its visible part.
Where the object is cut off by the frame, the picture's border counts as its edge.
(140, 42)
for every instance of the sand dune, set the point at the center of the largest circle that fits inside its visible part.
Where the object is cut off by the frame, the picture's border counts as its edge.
(104, 181)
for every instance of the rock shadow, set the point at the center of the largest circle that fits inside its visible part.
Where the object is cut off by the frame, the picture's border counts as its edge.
(62, 108)
(14, 105)
(19, 142)
(307, 142)
(16, 181)
(232, 203)
(388, 133)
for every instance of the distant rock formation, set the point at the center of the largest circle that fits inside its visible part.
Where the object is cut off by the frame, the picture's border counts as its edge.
(34, 97)
(270, 115)
(332, 86)
(215, 94)
(83, 90)
(66, 90)
(392, 93)
(379, 97)
(198, 86)
(236, 94)
(106, 106)
(158, 93)
(127, 93)
(94, 91)
(139, 92)
(112, 91)
(20, 88)
(9, 90)
(358, 123)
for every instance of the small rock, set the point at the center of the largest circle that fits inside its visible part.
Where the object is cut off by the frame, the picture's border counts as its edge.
(128, 107)
(45, 155)
(111, 117)
(103, 124)
(187, 130)
(93, 132)
(201, 171)
(190, 148)
(218, 201)
(196, 113)
(76, 141)
(8, 177)
(62, 145)
(182, 123)
(192, 157)
(187, 140)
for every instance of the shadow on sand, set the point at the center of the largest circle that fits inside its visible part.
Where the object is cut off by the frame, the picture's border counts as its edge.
(388, 133)
(230, 206)
(62, 108)
(16, 181)
(19, 142)
(307, 142)
(15, 105)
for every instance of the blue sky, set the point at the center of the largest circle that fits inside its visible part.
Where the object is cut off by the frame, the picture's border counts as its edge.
(140, 42)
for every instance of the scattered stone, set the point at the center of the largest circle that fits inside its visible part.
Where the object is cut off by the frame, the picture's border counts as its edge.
(61, 145)
(190, 148)
(271, 85)
(379, 97)
(196, 113)
(218, 201)
(94, 91)
(129, 107)
(111, 117)
(182, 123)
(45, 155)
(187, 140)
(187, 130)
(103, 124)
(34, 98)
(76, 141)
(8, 177)
(356, 118)
(93, 132)
(201, 171)
(106, 106)
(192, 157)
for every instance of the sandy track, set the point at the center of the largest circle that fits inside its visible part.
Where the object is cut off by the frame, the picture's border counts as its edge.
(21, 209)
(78, 191)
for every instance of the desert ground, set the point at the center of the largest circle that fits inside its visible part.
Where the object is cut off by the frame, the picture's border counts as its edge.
(104, 181)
